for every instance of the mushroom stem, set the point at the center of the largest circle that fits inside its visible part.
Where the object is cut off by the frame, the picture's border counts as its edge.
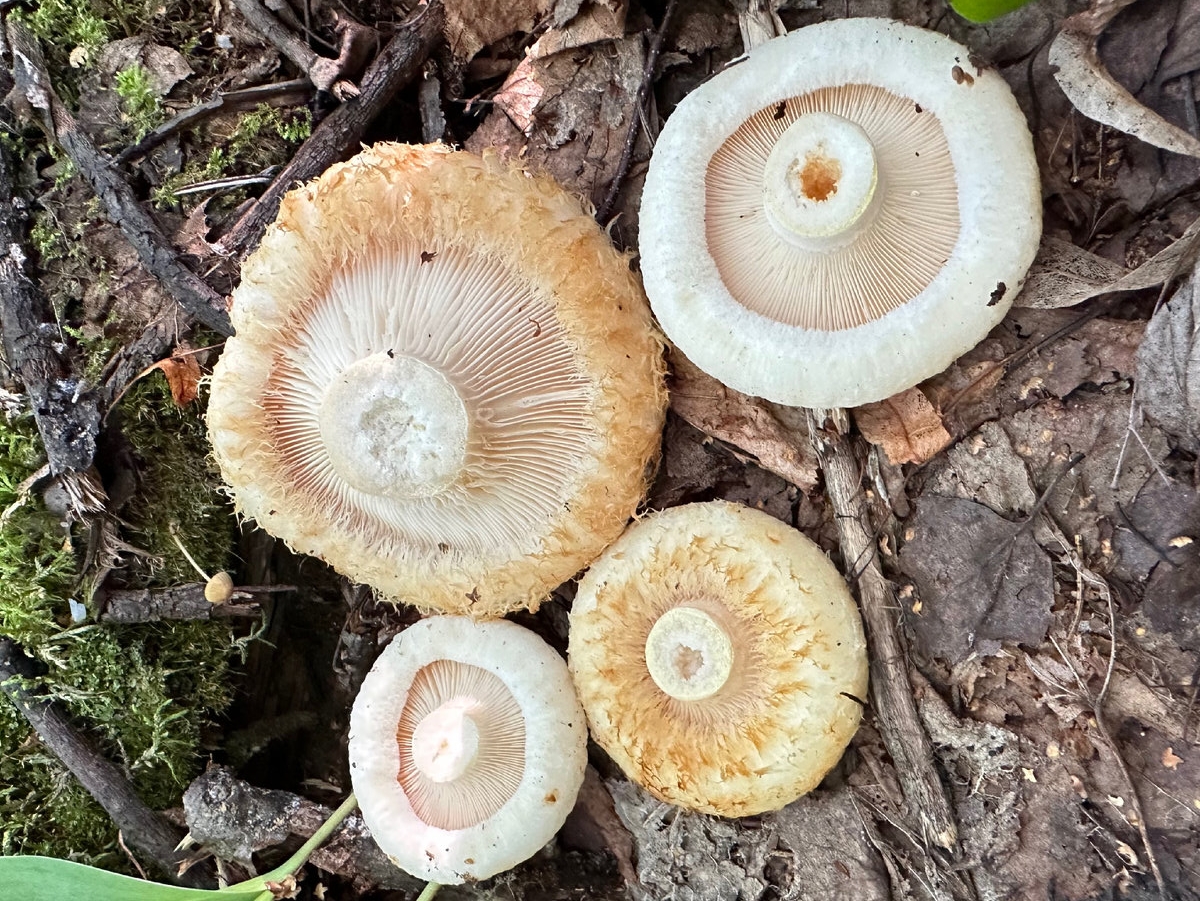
(394, 425)
(446, 742)
(688, 654)
(819, 183)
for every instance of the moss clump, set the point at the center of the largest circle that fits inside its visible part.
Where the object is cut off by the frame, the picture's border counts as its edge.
(179, 489)
(143, 692)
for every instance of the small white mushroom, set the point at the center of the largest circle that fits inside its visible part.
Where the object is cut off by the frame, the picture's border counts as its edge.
(841, 215)
(467, 747)
(719, 657)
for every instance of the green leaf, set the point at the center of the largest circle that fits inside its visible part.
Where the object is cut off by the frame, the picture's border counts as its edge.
(985, 10)
(51, 879)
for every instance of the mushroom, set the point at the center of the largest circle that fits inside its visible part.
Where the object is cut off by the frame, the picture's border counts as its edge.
(445, 381)
(467, 747)
(841, 215)
(719, 658)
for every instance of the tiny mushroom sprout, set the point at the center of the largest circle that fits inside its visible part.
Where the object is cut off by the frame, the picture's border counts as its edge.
(467, 747)
(719, 657)
(445, 380)
(840, 215)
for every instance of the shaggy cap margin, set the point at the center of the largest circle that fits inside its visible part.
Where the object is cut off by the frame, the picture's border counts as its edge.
(784, 716)
(391, 196)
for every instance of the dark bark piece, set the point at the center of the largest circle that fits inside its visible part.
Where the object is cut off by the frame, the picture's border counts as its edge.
(154, 605)
(264, 22)
(153, 248)
(982, 580)
(142, 829)
(891, 692)
(345, 127)
(66, 413)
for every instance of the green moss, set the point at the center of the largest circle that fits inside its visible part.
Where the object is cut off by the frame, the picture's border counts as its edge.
(144, 692)
(139, 102)
(179, 488)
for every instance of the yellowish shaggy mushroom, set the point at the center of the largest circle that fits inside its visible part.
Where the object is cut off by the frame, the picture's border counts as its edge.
(719, 658)
(445, 381)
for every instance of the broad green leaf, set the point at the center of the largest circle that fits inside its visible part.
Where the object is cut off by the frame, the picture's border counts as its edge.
(985, 10)
(51, 879)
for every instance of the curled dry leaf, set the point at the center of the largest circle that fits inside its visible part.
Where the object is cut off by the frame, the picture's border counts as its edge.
(183, 375)
(1168, 365)
(473, 24)
(982, 580)
(1064, 274)
(905, 425)
(1096, 94)
(745, 422)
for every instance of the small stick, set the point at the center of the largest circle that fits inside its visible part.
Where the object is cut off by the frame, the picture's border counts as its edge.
(395, 66)
(891, 692)
(153, 248)
(639, 106)
(144, 830)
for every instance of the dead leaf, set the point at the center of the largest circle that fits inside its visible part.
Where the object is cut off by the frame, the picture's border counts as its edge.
(1168, 372)
(183, 375)
(571, 111)
(1064, 275)
(982, 580)
(745, 422)
(906, 426)
(1170, 759)
(1097, 95)
(598, 22)
(473, 24)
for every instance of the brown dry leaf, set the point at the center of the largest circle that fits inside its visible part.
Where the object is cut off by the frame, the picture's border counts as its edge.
(1170, 759)
(982, 580)
(905, 425)
(473, 24)
(1096, 94)
(1064, 275)
(568, 114)
(598, 22)
(1168, 370)
(745, 422)
(183, 375)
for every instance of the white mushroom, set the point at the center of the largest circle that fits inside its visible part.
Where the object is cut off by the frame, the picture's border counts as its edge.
(467, 747)
(719, 657)
(841, 215)
(445, 381)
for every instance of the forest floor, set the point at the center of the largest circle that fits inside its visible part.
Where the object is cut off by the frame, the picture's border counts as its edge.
(1034, 507)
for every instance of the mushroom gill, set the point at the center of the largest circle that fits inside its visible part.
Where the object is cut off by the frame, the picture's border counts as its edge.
(716, 652)
(445, 381)
(890, 259)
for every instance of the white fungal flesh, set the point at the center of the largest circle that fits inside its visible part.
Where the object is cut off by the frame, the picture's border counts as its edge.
(688, 654)
(819, 182)
(393, 425)
(467, 747)
(934, 263)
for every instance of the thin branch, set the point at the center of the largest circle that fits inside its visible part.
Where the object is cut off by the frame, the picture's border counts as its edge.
(891, 692)
(639, 106)
(142, 828)
(344, 128)
(122, 205)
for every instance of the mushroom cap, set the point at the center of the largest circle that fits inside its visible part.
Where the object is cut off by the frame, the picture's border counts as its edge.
(937, 253)
(445, 381)
(788, 640)
(467, 747)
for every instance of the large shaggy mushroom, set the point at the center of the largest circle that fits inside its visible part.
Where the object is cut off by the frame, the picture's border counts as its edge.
(719, 657)
(445, 381)
(840, 215)
(467, 747)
